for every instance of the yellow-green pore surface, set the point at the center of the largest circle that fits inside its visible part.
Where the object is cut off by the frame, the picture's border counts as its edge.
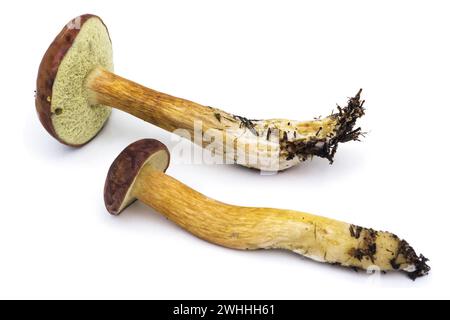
(74, 119)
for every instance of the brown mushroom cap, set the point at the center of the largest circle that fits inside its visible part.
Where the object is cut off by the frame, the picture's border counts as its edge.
(61, 101)
(126, 167)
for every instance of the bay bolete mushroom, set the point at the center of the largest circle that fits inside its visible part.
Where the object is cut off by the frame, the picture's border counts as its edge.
(138, 173)
(76, 87)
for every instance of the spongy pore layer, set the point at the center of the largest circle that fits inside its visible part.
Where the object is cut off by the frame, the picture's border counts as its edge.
(74, 119)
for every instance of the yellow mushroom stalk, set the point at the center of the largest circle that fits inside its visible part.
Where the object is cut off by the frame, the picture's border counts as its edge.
(271, 145)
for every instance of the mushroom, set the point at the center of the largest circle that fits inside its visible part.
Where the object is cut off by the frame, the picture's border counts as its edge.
(76, 87)
(138, 173)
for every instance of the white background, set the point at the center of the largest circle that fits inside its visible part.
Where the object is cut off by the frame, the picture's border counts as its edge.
(261, 59)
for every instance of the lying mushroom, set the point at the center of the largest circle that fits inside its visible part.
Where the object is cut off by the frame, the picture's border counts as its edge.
(139, 173)
(76, 85)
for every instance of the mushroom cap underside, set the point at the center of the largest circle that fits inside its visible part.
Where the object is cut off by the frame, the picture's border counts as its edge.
(125, 169)
(61, 99)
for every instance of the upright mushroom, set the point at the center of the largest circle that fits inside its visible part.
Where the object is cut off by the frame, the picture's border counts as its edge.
(139, 173)
(76, 86)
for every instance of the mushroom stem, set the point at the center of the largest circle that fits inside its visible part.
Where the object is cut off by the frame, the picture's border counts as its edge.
(163, 110)
(272, 145)
(319, 238)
